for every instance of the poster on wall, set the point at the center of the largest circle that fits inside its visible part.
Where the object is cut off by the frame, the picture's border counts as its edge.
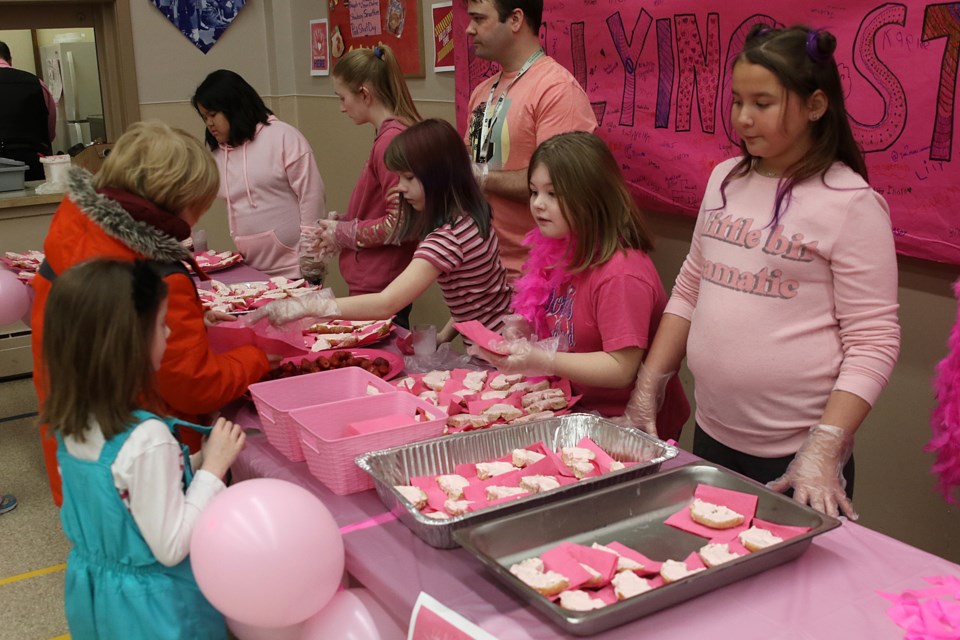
(368, 23)
(658, 77)
(442, 14)
(202, 22)
(319, 48)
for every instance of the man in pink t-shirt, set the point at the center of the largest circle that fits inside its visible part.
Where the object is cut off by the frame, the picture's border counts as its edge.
(532, 99)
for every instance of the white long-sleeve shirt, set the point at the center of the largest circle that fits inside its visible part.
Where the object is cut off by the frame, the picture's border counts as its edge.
(783, 315)
(147, 473)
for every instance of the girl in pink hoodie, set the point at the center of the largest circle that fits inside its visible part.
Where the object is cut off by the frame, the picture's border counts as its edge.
(268, 177)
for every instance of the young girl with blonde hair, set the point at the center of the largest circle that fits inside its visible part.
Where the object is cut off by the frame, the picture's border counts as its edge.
(131, 498)
(371, 89)
(589, 291)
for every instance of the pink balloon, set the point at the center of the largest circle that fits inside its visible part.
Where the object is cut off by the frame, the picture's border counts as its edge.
(14, 297)
(248, 632)
(267, 553)
(353, 614)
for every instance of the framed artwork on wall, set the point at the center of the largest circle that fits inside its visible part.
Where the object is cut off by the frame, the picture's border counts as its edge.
(367, 23)
(319, 48)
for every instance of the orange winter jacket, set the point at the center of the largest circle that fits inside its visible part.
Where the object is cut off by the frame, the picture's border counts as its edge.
(192, 379)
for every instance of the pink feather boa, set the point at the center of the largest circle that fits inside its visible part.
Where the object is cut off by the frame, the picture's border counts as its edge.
(945, 420)
(543, 272)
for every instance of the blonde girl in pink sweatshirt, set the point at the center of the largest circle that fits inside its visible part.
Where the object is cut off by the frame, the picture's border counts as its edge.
(268, 178)
(786, 305)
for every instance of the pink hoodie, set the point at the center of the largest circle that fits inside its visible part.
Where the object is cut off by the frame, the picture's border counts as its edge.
(273, 192)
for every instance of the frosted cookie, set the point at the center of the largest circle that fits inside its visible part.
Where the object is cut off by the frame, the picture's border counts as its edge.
(526, 386)
(548, 583)
(524, 457)
(494, 395)
(501, 410)
(494, 492)
(504, 381)
(571, 454)
(452, 485)
(533, 417)
(623, 563)
(438, 515)
(456, 507)
(414, 495)
(465, 420)
(436, 379)
(579, 601)
(716, 554)
(536, 396)
(671, 571)
(538, 484)
(755, 539)
(714, 516)
(627, 584)
(596, 579)
(474, 380)
(489, 469)
(616, 465)
(430, 396)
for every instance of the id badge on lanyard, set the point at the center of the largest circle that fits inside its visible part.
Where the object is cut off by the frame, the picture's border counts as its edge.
(484, 148)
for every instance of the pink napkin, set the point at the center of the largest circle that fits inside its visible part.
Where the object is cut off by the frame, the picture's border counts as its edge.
(743, 503)
(607, 594)
(559, 559)
(603, 459)
(782, 531)
(480, 335)
(435, 495)
(600, 561)
(225, 336)
(649, 566)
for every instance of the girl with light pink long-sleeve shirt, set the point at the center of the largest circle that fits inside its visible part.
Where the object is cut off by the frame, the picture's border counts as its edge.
(786, 305)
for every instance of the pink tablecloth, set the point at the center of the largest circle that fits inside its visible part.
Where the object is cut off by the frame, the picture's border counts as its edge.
(829, 592)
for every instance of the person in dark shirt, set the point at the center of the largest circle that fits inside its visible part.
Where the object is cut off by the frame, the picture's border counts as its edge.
(28, 116)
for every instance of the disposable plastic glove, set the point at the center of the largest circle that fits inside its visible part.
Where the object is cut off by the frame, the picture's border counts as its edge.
(335, 235)
(529, 358)
(645, 401)
(516, 327)
(313, 269)
(317, 304)
(816, 473)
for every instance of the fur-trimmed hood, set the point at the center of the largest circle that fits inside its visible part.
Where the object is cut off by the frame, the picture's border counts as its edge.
(116, 222)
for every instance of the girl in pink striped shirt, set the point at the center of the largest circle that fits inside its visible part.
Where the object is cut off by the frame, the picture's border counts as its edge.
(445, 212)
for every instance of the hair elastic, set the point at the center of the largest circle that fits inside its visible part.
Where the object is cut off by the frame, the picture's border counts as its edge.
(377, 51)
(813, 48)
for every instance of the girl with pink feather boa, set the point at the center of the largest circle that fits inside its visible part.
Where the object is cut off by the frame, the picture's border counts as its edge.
(590, 298)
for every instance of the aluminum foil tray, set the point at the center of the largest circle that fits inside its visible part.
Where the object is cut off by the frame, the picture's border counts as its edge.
(396, 466)
(633, 514)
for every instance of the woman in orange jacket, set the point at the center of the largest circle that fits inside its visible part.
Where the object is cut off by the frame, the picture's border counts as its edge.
(151, 190)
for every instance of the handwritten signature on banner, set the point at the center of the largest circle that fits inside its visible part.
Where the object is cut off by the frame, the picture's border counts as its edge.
(658, 77)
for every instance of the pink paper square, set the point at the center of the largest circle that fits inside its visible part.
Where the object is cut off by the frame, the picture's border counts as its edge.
(649, 566)
(743, 503)
(543, 467)
(693, 561)
(607, 594)
(603, 459)
(435, 495)
(376, 425)
(780, 530)
(491, 503)
(559, 559)
(476, 332)
(602, 562)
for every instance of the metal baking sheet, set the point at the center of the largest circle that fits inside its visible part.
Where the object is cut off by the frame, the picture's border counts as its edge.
(633, 514)
(396, 466)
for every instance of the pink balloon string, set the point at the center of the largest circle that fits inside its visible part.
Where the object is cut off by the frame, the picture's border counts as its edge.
(369, 522)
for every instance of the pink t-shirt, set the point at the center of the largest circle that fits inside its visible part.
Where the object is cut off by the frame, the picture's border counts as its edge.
(375, 204)
(545, 101)
(608, 308)
(782, 315)
(472, 280)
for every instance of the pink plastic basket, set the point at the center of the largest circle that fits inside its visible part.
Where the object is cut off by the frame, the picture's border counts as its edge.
(330, 452)
(275, 399)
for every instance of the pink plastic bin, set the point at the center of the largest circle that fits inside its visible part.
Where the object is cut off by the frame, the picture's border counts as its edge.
(330, 452)
(275, 399)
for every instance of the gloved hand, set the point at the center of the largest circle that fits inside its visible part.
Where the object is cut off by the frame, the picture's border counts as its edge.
(316, 304)
(313, 270)
(480, 171)
(335, 235)
(212, 317)
(645, 401)
(816, 473)
(532, 358)
(516, 327)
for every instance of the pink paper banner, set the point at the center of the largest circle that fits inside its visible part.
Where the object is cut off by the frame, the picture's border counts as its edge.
(658, 76)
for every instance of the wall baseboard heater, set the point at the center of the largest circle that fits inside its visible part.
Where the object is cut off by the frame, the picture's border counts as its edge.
(16, 358)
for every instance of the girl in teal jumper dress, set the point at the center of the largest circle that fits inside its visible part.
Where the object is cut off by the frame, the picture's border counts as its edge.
(130, 497)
